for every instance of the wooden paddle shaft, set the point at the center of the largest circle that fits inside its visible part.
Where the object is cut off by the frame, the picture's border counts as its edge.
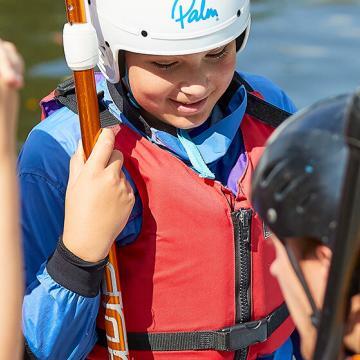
(88, 110)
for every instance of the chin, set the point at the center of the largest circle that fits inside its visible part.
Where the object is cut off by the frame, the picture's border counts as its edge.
(186, 123)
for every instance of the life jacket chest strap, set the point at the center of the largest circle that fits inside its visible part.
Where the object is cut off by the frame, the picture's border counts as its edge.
(232, 338)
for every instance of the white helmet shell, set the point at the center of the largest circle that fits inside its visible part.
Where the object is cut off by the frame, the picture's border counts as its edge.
(165, 27)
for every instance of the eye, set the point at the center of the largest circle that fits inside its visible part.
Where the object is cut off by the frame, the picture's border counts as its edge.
(218, 55)
(164, 66)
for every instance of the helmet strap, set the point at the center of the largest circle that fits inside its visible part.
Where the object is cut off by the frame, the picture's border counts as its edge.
(240, 40)
(316, 313)
(124, 80)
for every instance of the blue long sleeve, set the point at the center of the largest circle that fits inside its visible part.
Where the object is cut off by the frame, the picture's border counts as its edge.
(58, 323)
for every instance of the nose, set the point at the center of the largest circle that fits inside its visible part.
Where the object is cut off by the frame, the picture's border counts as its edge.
(194, 90)
(196, 83)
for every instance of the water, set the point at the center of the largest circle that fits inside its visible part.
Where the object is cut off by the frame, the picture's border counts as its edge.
(309, 48)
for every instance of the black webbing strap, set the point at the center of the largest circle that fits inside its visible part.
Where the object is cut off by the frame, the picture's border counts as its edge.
(117, 93)
(65, 94)
(259, 108)
(27, 354)
(230, 339)
(265, 112)
(256, 107)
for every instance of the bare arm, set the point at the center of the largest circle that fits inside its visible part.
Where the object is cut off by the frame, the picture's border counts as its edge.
(11, 280)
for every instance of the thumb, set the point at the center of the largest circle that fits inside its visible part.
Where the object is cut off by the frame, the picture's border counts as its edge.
(102, 150)
(76, 163)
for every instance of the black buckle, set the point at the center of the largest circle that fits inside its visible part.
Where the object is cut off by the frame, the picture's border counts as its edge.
(66, 87)
(243, 335)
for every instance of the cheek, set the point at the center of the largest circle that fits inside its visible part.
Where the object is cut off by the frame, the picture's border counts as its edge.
(149, 90)
(280, 270)
(224, 74)
(316, 278)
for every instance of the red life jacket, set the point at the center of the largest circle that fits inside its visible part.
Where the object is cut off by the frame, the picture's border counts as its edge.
(200, 263)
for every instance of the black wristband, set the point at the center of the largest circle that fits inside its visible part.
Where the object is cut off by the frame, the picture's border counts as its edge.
(27, 354)
(75, 274)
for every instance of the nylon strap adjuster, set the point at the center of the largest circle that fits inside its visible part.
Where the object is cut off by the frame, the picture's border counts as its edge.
(65, 94)
(66, 87)
(243, 335)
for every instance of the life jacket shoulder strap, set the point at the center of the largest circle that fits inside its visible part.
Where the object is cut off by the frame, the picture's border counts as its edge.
(265, 112)
(259, 108)
(232, 338)
(65, 94)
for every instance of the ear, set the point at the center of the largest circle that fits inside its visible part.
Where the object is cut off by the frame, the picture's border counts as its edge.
(324, 255)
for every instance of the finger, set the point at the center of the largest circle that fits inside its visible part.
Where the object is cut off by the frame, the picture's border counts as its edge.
(115, 164)
(17, 65)
(11, 65)
(5, 66)
(115, 128)
(76, 163)
(102, 151)
(116, 159)
(15, 58)
(129, 188)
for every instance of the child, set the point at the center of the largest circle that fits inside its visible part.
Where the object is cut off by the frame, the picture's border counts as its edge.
(11, 281)
(192, 253)
(297, 189)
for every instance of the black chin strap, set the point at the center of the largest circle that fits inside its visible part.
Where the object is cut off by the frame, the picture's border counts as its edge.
(316, 313)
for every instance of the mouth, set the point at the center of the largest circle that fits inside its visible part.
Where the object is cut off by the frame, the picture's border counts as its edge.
(190, 108)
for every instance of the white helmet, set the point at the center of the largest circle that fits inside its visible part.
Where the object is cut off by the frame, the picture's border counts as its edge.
(165, 27)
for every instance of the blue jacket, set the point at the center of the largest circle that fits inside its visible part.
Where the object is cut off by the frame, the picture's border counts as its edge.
(59, 323)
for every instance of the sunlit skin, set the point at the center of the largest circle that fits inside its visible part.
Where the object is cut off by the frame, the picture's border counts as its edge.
(181, 91)
(294, 294)
(352, 335)
(11, 278)
(315, 267)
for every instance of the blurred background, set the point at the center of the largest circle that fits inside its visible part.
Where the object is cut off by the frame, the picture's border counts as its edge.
(309, 48)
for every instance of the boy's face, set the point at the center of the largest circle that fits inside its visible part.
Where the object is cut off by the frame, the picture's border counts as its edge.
(315, 267)
(181, 90)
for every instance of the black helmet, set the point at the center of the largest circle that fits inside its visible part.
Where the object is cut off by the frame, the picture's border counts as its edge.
(297, 184)
(307, 184)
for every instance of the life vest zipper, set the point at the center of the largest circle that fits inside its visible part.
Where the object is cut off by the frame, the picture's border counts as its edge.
(242, 231)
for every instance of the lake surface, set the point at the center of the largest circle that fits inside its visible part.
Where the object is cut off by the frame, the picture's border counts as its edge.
(309, 48)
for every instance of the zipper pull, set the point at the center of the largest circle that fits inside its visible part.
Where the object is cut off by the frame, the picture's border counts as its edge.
(245, 219)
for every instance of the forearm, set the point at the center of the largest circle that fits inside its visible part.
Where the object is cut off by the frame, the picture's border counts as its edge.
(11, 280)
(8, 114)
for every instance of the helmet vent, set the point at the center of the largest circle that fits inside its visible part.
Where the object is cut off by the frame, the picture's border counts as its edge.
(238, 14)
(282, 191)
(305, 202)
(107, 44)
(144, 33)
(288, 183)
(272, 171)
